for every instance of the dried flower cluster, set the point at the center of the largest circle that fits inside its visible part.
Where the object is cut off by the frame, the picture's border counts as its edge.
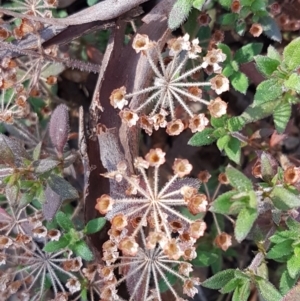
(170, 235)
(171, 87)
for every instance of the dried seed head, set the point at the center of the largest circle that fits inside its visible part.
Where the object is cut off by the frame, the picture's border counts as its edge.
(172, 249)
(195, 91)
(40, 232)
(213, 58)
(223, 241)
(176, 226)
(159, 120)
(189, 287)
(141, 42)
(256, 169)
(73, 285)
(203, 19)
(222, 178)
(104, 204)
(204, 176)
(185, 269)
(198, 123)
(129, 117)
(175, 127)
(188, 192)
(256, 30)
(198, 203)
(197, 229)
(119, 222)
(291, 175)
(54, 234)
(182, 167)
(5, 242)
(275, 8)
(51, 80)
(146, 124)
(155, 238)
(219, 83)
(128, 246)
(236, 6)
(139, 162)
(218, 36)
(189, 253)
(107, 273)
(176, 45)
(4, 33)
(117, 98)
(156, 157)
(217, 107)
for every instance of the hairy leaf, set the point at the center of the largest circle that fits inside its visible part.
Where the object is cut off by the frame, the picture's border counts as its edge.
(246, 53)
(222, 203)
(283, 199)
(267, 290)
(239, 82)
(282, 115)
(244, 223)
(94, 225)
(266, 65)
(238, 180)
(53, 246)
(219, 280)
(203, 138)
(179, 13)
(81, 249)
(291, 54)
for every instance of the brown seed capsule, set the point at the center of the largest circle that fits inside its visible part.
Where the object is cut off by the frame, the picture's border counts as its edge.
(223, 241)
(256, 30)
(236, 6)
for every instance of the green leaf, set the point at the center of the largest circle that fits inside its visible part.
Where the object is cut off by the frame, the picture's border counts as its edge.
(228, 70)
(218, 122)
(94, 225)
(267, 90)
(268, 166)
(81, 249)
(239, 82)
(244, 223)
(272, 53)
(64, 221)
(293, 82)
(219, 280)
(233, 150)
(238, 180)
(62, 187)
(266, 65)
(283, 199)
(234, 124)
(242, 292)
(293, 225)
(198, 4)
(222, 142)
(281, 249)
(91, 2)
(293, 294)
(203, 138)
(241, 26)
(225, 3)
(291, 54)
(179, 13)
(226, 50)
(228, 19)
(230, 286)
(205, 258)
(282, 115)
(271, 29)
(53, 246)
(222, 203)
(293, 266)
(267, 290)
(246, 53)
(286, 283)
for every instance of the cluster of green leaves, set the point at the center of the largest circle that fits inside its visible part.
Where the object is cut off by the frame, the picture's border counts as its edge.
(243, 199)
(239, 283)
(286, 249)
(276, 95)
(221, 133)
(71, 237)
(255, 11)
(231, 66)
